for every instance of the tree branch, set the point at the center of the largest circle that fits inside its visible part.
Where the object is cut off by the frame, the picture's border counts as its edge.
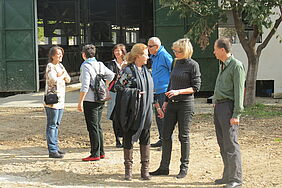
(271, 33)
(253, 38)
(240, 29)
(193, 6)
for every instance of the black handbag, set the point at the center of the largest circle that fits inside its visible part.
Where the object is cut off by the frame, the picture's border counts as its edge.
(51, 98)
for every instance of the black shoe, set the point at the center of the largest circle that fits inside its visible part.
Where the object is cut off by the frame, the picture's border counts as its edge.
(157, 144)
(119, 145)
(61, 152)
(182, 173)
(159, 172)
(220, 181)
(55, 155)
(233, 185)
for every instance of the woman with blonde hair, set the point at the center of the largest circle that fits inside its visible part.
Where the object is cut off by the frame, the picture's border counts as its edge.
(185, 80)
(133, 110)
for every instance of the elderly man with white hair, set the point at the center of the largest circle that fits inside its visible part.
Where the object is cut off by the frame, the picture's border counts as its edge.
(161, 68)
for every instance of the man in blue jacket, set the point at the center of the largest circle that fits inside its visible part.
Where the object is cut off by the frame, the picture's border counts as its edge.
(161, 68)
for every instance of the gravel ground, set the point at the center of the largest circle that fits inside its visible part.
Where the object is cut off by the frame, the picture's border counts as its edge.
(24, 158)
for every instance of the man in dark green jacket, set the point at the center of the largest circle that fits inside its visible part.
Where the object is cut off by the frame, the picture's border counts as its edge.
(229, 97)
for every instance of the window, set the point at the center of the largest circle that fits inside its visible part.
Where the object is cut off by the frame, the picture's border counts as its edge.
(57, 40)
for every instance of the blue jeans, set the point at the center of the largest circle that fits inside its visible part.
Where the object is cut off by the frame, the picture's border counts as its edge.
(54, 117)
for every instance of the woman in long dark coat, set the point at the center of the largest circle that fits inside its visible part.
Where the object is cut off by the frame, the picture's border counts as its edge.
(133, 110)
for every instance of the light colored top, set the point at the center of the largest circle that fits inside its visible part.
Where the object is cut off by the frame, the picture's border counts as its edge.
(88, 75)
(118, 65)
(55, 84)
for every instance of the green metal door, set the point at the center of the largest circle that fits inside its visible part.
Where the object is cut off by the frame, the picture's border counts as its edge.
(171, 28)
(2, 69)
(18, 62)
(167, 28)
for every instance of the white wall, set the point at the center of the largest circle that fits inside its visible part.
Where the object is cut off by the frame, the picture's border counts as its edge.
(270, 65)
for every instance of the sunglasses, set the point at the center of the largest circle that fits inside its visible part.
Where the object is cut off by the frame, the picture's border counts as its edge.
(151, 46)
(175, 51)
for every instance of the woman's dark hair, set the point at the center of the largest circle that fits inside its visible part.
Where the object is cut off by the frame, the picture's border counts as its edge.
(120, 46)
(53, 51)
(89, 50)
(225, 43)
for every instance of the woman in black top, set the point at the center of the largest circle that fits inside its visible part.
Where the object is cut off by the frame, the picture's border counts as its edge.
(184, 82)
(115, 65)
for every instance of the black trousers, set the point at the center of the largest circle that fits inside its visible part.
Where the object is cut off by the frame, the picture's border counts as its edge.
(144, 138)
(93, 114)
(117, 131)
(227, 139)
(160, 122)
(181, 113)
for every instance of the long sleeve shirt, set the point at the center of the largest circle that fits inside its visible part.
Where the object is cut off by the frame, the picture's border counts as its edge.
(55, 84)
(185, 74)
(161, 69)
(230, 84)
(88, 75)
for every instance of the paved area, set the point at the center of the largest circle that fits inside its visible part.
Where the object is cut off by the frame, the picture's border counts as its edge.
(72, 95)
(35, 99)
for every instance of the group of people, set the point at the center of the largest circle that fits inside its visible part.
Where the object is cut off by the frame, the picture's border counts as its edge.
(136, 91)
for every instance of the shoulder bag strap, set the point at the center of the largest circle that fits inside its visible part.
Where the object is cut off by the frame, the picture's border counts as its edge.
(99, 67)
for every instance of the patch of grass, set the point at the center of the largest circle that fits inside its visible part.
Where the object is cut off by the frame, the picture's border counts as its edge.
(277, 140)
(262, 111)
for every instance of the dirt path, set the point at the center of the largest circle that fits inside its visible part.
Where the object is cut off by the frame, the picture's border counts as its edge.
(24, 161)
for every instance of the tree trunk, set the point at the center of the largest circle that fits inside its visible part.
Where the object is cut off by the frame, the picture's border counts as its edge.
(253, 62)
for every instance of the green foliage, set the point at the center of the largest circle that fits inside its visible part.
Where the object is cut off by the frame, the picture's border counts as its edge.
(277, 140)
(262, 111)
(40, 33)
(257, 13)
(205, 15)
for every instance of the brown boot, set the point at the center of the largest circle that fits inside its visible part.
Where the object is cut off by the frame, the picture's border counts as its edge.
(128, 155)
(145, 158)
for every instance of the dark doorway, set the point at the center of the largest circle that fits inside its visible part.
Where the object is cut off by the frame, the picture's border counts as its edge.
(73, 23)
(264, 88)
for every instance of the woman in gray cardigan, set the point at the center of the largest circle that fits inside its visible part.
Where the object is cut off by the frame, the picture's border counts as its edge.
(91, 108)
